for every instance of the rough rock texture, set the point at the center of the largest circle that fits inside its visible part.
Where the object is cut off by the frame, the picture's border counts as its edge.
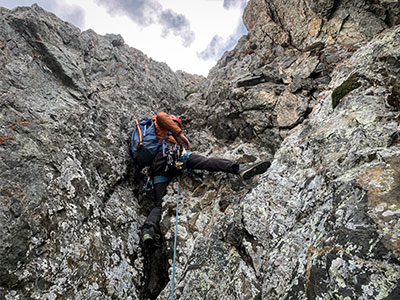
(314, 87)
(69, 207)
(278, 70)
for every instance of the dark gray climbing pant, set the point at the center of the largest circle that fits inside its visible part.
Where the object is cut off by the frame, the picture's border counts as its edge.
(195, 161)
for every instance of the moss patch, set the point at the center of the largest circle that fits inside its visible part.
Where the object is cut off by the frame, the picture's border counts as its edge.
(346, 87)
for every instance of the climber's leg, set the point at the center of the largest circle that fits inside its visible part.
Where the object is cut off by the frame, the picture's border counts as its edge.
(196, 161)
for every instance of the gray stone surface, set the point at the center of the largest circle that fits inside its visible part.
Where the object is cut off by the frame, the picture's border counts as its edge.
(313, 87)
(70, 214)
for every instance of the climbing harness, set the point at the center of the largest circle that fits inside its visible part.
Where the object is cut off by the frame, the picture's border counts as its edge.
(175, 236)
(176, 161)
(176, 158)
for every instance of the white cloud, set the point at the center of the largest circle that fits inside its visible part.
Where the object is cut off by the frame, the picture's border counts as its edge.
(177, 32)
(148, 12)
(178, 25)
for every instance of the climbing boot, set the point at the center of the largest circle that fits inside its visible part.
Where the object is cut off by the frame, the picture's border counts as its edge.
(150, 237)
(248, 171)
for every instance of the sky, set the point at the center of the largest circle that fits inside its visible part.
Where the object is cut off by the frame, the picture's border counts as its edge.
(188, 35)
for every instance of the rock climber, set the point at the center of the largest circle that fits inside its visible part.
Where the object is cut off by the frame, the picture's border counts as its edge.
(163, 169)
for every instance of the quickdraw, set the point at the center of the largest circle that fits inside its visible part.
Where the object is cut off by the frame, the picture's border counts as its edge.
(176, 158)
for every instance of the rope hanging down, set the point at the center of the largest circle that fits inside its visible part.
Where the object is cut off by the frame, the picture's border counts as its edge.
(176, 233)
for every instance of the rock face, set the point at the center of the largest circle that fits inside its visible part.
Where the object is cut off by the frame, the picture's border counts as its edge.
(314, 87)
(70, 212)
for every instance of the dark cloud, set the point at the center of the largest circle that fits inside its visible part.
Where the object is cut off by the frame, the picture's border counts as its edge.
(178, 25)
(213, 50)
(142, 12)
(216, 48)
(71, 13)
(234, 3)
(148, 12)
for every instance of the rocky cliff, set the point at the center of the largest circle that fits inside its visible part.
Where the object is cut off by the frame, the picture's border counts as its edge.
(314, 87)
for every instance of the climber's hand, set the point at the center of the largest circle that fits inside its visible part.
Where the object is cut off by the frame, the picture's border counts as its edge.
(184, 141)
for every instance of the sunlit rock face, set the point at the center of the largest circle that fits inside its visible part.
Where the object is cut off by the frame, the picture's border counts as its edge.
(313, 87)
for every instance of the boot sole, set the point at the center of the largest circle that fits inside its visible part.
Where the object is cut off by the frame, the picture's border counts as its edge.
(257, 169)
(149, 242)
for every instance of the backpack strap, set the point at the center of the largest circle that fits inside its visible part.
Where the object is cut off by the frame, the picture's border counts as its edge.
(140, 134)
(162, 144)
(165, 137)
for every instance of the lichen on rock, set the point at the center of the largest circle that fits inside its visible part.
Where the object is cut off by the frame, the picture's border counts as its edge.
(321, 223)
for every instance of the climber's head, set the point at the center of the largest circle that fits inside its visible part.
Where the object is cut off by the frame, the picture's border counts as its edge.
(176, 119)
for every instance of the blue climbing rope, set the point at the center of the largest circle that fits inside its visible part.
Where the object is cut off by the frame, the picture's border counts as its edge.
(176, 233)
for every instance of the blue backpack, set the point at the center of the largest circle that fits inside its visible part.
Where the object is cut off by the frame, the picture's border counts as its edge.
(144, 143)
